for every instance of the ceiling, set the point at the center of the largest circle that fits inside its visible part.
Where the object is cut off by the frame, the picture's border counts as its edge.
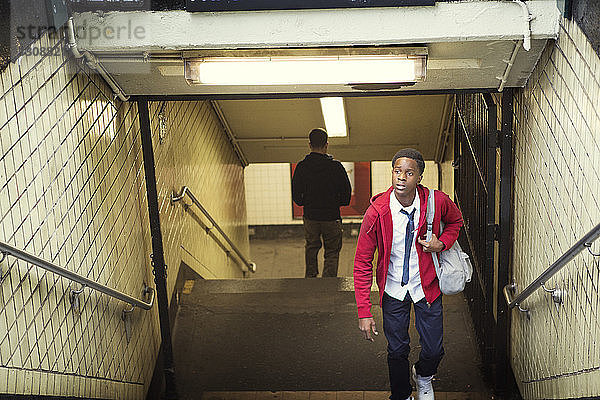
(477, 45)
(276, 130)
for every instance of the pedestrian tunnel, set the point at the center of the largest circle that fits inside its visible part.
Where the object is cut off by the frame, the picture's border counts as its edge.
(150, 245)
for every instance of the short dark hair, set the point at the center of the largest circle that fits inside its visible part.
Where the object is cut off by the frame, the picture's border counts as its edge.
(413, 154)
(317, 138)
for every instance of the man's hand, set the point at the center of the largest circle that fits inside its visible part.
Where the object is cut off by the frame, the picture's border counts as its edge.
(434, 245)
(366, 326)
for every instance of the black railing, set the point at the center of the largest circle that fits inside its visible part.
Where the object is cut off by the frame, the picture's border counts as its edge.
(475, 190)
(479, 145)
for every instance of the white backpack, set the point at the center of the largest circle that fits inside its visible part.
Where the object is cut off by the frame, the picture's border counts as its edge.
(453, 268)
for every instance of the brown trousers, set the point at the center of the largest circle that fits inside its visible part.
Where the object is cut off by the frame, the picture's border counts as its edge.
(331, 231)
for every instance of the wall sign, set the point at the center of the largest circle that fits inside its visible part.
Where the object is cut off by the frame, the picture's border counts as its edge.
(254, 5)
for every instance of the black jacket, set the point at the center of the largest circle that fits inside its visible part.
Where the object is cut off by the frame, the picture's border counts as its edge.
(321, 185)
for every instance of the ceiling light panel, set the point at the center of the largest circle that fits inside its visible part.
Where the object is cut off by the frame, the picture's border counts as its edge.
(334, 116)
(305, 70)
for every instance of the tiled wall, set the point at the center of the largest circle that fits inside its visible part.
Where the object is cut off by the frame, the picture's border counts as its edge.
(72, 191)
(70, 178)
(269, 190)
(556, 354)
(194, 152)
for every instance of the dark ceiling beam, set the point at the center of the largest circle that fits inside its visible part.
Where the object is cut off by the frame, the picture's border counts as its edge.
(269, 96)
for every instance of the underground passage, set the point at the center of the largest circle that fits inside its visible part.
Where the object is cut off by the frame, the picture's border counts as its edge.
(234, 200)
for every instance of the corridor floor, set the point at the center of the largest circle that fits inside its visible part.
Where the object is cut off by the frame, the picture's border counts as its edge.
(284, 258)
(288, 338)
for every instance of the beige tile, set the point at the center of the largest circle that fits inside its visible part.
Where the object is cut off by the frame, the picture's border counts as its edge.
(243, 395)
(36, 383)
(350, 395)
(269, 395)
(47, 385)
(298, 395)
(3, 378)
(12, 381)
(376, 395)
(322, 395)
(214, 396)
(20, 379)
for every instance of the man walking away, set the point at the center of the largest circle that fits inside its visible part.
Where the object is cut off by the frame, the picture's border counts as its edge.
(395, 225)
(320, 184)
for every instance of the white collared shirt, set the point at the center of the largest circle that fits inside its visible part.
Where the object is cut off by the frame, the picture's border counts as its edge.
(393, 284)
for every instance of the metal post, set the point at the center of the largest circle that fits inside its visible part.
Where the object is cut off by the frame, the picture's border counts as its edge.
(505, 242)
(158, 259)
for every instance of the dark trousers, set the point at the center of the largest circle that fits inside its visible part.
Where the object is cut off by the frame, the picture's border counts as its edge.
(429, 324)
(331, 231)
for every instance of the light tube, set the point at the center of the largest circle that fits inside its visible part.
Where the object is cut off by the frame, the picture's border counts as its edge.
(324, 70)
(334, 116)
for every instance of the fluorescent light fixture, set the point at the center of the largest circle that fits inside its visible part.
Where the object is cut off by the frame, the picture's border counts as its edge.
(303, 70)
(334, 116)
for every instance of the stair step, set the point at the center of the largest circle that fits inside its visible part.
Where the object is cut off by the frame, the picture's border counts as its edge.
(329, 395)
(281, 285)
(283, 339)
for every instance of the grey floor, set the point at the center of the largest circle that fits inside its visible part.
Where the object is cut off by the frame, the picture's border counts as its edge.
(284, 258)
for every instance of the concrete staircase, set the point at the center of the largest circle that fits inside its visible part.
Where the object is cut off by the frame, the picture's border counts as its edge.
(298, 339)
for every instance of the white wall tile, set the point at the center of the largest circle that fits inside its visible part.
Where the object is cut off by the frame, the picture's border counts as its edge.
(268, 193)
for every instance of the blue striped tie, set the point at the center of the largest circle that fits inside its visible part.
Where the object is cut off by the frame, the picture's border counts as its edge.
(408, 239)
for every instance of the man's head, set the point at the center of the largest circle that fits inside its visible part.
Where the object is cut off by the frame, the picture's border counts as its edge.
(407, 171)
(317, 140)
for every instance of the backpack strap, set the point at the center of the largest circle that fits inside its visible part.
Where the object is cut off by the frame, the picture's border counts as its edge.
(430, 214)
(429, 217)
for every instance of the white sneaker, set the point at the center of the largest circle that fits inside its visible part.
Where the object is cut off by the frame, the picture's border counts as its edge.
(424, 385)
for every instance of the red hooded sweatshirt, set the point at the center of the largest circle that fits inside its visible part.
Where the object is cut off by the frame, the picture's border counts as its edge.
(376, 232)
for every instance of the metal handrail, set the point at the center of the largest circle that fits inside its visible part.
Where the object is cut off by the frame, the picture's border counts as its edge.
(540, 281)
(186, 190)
(48, 266)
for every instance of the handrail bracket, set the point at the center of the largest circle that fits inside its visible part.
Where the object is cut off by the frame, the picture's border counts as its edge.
(74, 299)
(556, 293)
(589, 247)
(2, 274)
(126, 317)
(509, 289)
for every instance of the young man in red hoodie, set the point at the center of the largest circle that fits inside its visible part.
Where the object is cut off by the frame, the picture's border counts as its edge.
(395, 225)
